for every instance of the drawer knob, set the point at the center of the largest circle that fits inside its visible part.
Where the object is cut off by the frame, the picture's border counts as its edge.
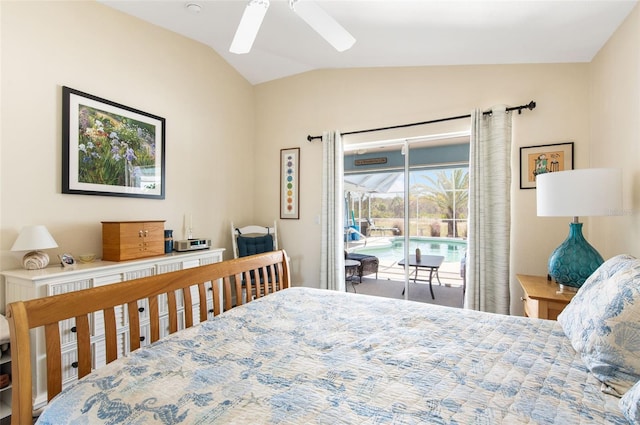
(73, 329)
(140, 309)
(210, 310)
(74, 365)
(142, 338)
(140, 233)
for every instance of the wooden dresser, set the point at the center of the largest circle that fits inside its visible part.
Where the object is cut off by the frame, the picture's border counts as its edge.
(542, 298)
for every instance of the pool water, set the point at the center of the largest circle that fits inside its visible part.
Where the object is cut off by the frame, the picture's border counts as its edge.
(452, 249)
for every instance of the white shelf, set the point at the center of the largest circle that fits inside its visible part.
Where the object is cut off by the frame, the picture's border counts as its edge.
(5, 410)
(6, 357)
(5, 393)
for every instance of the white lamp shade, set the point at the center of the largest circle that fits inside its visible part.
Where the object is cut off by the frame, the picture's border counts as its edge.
(32, 238)
(586, 192)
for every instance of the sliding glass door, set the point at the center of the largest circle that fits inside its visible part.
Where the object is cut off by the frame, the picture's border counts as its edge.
(408, 207)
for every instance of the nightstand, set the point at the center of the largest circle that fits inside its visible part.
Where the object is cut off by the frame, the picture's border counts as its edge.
(542, 298)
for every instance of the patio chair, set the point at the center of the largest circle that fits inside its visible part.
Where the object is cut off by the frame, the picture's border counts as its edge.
(368, 264)
(372, 228)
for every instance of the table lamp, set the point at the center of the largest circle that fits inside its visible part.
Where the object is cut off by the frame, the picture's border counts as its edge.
(33, 239)
(573, 193)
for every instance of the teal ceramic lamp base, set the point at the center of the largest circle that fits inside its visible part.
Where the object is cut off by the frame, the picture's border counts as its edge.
(574, 260)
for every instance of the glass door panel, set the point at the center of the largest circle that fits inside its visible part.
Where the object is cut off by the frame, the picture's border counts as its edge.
(410, 202)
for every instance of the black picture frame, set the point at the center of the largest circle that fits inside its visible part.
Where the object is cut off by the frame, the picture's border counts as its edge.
(540, 159)
(109, 149)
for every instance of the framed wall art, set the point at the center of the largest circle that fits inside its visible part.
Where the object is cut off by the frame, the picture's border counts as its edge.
(110, 149)
(541, 159)
(290, 183)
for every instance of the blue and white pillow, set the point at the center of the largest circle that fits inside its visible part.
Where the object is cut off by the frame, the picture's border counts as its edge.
(630, 404)
(603, 323)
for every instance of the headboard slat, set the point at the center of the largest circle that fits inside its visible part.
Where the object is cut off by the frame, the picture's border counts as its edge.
(83, 335)
(134, 325)
(202, 293)
(154, 317)
(110, 334)
(188, 307)
(54, 370)
(173, 312)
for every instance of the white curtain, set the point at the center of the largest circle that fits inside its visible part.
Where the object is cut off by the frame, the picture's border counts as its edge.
(332, 254)
(488, 249)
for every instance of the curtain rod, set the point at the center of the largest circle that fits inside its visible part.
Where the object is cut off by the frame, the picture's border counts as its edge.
(530, 106)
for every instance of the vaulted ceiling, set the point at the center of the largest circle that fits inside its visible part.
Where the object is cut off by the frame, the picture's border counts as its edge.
(395, 32)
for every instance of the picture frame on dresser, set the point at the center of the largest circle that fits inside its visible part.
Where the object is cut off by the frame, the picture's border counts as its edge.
(110, 149)
(67, 260)
(541, 159)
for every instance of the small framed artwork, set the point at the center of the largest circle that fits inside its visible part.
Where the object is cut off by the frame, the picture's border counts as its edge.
(67, 260)
(290, 183)
(110, 149)
(542, 159)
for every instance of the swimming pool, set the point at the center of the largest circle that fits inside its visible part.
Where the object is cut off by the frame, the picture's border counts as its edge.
(393, 250)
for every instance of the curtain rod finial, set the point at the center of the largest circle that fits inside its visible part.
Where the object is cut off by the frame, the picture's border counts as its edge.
(530, 106)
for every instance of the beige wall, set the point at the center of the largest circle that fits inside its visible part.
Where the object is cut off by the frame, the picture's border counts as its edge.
(615, 133)
(207, 105)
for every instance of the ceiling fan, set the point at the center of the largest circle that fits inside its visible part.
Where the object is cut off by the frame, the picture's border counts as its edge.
(308, 10)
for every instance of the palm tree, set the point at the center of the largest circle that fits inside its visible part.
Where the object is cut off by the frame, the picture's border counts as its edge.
(449, 191)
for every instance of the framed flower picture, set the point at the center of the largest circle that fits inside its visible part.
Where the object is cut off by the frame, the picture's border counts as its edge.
(110, 149)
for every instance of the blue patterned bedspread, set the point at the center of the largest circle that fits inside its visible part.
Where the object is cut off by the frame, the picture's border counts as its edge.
(310, 356)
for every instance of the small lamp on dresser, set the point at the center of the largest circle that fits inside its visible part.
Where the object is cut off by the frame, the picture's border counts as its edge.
(573, 193)
(34, 239)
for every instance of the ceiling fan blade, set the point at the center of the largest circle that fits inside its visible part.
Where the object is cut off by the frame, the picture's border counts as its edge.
(249, 26)
(323, 24)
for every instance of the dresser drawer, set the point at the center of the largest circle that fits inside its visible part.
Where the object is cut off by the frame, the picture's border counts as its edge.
(542, 309)
(542, 299)
(530, 306)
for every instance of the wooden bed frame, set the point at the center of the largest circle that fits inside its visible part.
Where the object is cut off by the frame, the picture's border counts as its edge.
(47, 312)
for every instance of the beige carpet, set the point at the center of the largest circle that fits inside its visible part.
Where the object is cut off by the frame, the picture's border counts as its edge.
(447, 296)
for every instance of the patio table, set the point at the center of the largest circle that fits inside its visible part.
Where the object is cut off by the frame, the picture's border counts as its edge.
(350, 271)
(428, 262)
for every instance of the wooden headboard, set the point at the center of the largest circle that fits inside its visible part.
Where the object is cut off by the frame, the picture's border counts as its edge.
(242, 279)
